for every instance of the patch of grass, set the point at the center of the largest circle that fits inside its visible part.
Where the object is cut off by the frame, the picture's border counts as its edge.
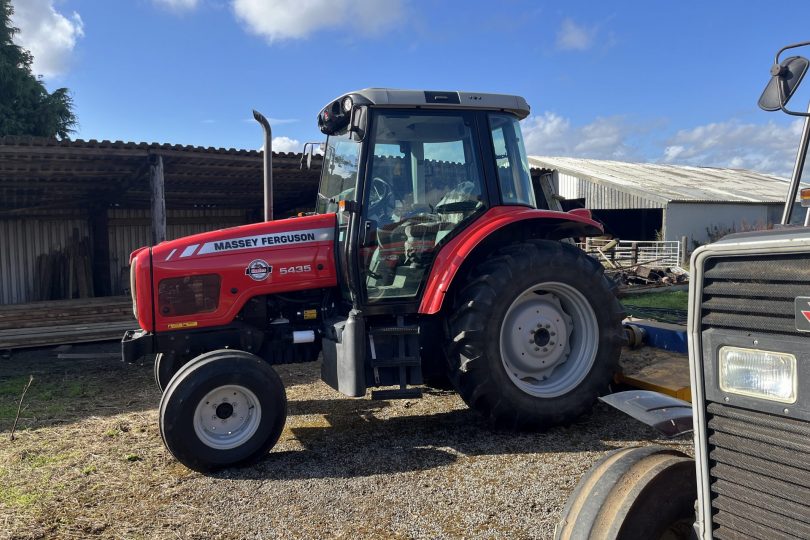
(90, 469)
(664, 300)
(12, 496)
(133, 457)
(112, 432)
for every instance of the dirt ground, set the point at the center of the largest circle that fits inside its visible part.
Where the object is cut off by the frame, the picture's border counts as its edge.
(88, 462)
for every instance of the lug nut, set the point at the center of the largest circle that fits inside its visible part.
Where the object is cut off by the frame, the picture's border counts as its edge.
(537, 348)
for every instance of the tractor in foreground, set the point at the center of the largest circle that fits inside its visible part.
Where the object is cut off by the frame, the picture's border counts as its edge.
(426, 259)
(749, 356)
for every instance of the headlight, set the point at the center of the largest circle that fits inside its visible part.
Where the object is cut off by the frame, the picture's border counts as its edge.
(759, 374)
(347, 104)
(132, 286)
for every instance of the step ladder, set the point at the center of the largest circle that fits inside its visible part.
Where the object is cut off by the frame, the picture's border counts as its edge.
(406, 338)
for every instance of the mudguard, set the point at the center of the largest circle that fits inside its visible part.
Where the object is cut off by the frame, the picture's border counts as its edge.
(452, 256)
(669, 415)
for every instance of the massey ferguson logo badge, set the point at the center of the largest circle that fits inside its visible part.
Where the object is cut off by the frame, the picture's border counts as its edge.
(258, 270)
(802, 313)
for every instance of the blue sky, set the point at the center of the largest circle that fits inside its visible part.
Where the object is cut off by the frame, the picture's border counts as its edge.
(665, 81)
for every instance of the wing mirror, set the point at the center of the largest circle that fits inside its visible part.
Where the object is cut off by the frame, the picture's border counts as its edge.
(785, 78)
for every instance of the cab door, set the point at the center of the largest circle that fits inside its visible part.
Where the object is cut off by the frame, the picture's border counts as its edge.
(424, 182)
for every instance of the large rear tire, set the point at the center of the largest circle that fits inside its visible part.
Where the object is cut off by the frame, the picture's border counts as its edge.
(535, 335)
(223, 409)
(633, 493)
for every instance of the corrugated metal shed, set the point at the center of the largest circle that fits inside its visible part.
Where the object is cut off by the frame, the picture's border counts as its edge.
(617, 185)
(56, 193)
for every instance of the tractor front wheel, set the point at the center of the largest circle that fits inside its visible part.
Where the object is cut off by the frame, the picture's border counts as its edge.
(535, 335)
(225, 408)
(633, 493)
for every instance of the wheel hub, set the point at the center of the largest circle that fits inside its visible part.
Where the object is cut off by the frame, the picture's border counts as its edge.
(547, 329)
(227, 417)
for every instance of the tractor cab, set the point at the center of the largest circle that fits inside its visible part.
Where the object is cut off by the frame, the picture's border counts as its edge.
(406, 171)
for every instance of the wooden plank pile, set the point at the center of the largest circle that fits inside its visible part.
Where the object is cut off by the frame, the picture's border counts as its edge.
(66, 273)
(60, 322)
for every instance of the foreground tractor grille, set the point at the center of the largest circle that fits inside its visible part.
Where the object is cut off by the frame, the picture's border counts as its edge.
(760, 473)
(754, 292)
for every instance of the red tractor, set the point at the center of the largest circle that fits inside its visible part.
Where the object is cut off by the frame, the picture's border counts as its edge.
(426, 258)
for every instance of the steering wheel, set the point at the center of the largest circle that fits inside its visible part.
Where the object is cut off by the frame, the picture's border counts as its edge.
(379, 192)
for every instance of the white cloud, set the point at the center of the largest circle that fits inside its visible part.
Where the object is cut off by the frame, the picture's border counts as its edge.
(49, 35)
(286, 144)
(768, 148)
(178, 5)
(278, 20)
(550, 134)
(574, 37)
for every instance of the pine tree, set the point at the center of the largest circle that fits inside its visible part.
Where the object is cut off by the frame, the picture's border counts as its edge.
(26, 107)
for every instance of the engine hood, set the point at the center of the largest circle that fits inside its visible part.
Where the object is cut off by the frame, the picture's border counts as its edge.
(204, 280)
(268, 235)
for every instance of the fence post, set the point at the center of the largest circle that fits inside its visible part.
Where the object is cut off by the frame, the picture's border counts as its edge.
(683, 255)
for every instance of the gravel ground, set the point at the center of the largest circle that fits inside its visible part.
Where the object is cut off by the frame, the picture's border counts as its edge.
(88, 462)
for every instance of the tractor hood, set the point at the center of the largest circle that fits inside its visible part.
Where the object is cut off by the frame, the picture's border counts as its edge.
(205, 279)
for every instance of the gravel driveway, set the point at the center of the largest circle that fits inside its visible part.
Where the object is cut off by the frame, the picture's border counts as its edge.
(89, 462)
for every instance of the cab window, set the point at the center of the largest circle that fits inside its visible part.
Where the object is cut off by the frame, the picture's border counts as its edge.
(514, 179)
(424, 182)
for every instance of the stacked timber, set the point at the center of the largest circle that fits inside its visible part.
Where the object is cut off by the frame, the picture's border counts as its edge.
(61, 322)
(65, 273)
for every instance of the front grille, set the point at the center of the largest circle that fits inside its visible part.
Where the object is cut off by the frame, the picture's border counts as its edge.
(754, 292)
(760, 473)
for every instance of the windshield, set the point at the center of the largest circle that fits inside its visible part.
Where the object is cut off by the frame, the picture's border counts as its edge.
(339, 173)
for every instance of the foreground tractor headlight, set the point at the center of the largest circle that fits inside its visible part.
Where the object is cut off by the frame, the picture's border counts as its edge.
(759, 374)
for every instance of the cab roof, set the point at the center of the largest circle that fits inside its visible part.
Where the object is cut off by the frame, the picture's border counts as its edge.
(390, 97)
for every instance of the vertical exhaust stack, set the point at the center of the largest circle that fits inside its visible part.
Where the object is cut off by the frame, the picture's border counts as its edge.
(268, 165)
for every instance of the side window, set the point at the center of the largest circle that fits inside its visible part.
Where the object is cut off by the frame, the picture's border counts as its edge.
(512, 164)
(424, 181)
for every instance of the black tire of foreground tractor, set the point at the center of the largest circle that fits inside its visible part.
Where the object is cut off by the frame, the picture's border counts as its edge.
(165, 368)
(633, 493)
(224, 408)
(535, 335)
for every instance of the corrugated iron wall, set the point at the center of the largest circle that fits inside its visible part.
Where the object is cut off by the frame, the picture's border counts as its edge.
(599, 196)
(131, 229)
(22, 241)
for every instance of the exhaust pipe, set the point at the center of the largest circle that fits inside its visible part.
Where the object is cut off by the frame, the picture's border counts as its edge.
(268, 165)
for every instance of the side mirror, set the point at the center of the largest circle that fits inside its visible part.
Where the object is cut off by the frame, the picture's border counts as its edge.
(358, 122)
(785, 79)
(309, 150)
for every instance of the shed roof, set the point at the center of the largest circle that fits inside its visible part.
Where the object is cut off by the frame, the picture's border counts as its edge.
(44, 174)
(668, 183)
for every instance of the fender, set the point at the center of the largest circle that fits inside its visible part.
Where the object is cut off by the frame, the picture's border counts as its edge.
(451, 257)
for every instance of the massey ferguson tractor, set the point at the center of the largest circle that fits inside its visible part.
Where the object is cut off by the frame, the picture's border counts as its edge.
(426, 257)
(749, 355)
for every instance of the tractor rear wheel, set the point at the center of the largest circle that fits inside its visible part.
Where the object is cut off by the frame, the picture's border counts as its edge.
(535, 335)
(224, 408)
(633, 493)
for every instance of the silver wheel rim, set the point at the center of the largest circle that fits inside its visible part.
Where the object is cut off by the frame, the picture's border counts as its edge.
(227, 417)
(549, 339)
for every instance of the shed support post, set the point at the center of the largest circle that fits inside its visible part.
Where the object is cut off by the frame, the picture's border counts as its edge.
(158, 199)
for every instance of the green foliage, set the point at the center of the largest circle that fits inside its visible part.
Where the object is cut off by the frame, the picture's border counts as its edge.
(26, 107)
(664, 300)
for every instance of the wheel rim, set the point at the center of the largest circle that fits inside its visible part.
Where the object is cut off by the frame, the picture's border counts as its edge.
(549, 339)
(227, 417)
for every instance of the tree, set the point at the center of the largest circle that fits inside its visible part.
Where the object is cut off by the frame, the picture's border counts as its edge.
(26, 107)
